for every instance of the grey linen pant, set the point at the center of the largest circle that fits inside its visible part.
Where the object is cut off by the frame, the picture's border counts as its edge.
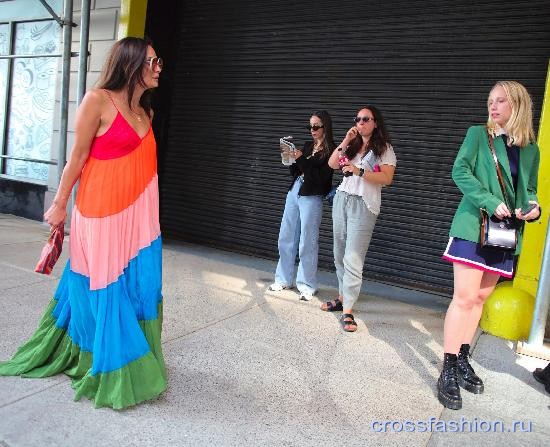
(353, 225)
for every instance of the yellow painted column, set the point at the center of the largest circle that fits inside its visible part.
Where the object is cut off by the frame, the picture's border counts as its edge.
(132, 18)
(509, 310)
(530, 260)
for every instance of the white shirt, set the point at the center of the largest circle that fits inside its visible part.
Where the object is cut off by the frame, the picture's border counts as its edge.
(371, 192)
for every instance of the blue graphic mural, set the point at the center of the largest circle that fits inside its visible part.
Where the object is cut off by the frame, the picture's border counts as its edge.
(32, 99)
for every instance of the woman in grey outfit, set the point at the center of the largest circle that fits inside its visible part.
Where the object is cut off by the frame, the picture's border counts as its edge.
(368, 165)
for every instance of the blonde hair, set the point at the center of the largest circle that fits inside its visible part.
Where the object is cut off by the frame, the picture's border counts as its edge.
(519, 127)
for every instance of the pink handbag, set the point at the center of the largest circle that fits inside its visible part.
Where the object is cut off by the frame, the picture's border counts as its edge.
(51, 251)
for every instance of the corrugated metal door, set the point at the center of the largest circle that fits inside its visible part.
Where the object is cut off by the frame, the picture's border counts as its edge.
(249, 72)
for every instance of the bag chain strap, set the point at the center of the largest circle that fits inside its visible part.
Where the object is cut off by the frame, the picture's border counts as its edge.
(499, 173)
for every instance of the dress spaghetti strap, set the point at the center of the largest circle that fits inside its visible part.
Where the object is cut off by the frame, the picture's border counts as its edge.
(118, 110)
(111, 98)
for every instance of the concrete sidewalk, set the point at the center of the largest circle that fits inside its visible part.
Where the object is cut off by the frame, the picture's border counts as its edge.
(250, 367)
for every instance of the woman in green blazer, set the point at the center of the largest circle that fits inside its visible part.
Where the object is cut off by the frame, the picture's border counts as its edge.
(477, 269)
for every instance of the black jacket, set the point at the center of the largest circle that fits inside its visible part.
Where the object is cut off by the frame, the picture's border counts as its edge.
(317, 172)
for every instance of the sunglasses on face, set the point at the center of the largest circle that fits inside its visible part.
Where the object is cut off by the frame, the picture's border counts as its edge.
(365, 119)
(314, 127)
(154, 62)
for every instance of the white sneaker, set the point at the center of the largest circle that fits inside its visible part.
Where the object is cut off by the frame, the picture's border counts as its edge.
(276, 287)
(306, 296)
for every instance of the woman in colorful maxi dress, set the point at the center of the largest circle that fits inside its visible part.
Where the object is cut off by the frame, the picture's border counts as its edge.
(103, 326)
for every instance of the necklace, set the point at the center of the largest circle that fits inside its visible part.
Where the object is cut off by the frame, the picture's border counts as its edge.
(137, 115)
(315, 150)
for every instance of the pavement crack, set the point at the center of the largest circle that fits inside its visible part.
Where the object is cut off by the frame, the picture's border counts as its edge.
(27, 270)
(214, 323)
(62, 382)
(23, 242)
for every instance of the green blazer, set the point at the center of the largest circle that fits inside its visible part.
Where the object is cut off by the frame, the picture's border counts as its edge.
(475, 175)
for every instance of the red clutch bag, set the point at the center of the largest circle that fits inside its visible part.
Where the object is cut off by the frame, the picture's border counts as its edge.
(51, 251)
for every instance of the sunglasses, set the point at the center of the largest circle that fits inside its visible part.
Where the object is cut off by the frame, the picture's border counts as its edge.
(365, 119)
(154, 62)
(315, 127)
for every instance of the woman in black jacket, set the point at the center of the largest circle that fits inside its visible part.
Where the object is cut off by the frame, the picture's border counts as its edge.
(299, 232)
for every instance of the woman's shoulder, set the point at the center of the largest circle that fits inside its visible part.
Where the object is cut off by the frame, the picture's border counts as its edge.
(96, 97)
(98, 93)
(475, 134)
(532, 145)
(388, 157)
(99, 104)
(531, 150)
(477, 129)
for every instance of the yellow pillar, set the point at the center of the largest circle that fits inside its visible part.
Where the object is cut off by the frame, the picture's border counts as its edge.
(500, 314)
(132, 18)
(530, 260)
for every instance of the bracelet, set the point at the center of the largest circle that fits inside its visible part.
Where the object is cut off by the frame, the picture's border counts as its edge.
(361, 172)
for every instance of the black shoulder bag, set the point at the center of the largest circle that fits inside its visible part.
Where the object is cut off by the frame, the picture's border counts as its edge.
(495, 232)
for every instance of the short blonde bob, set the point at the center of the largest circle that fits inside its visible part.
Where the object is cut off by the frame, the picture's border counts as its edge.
(519, 127)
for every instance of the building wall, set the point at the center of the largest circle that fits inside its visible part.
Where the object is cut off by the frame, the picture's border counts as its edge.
(104, 30)
(20, 195)
(22, 9)
(104, 27)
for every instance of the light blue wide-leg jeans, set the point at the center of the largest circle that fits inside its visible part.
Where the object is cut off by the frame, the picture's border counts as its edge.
(299, 233)
(353, 225)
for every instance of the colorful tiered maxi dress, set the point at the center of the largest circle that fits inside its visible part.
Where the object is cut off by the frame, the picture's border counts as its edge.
(103, 326)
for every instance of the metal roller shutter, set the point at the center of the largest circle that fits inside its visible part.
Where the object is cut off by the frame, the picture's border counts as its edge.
(249, 72)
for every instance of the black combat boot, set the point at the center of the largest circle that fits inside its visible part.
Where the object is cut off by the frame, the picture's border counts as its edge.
(467, 378)
(543, 376)
(448, 391)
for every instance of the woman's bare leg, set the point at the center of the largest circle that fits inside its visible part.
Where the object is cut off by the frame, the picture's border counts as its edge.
(471, 288)
(488, 283)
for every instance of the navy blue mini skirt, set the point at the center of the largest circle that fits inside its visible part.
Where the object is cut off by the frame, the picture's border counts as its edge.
(492, 260)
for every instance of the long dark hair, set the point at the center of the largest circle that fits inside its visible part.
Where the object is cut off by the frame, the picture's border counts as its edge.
(123, 69)
(379, 140)
(328, 140)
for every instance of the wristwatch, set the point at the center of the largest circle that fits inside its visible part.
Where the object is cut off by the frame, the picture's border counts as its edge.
(361, 172)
